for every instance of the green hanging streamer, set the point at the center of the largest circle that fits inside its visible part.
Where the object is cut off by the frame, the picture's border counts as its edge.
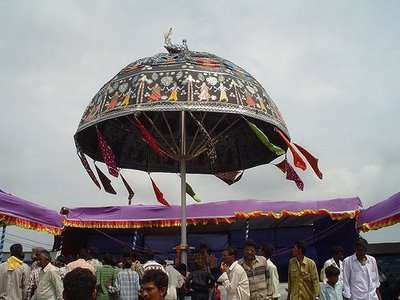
(264, 139)
(191, 193)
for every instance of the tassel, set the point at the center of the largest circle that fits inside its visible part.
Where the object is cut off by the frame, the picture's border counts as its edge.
(192, 193)
(230, 177)
(282, 166)
(292, 175)
(107, 153)
(313, 161)
(105, 182)
(85, 164)
(264, 139)
(130, 191)
(159, 194)
(148, 138)
(298, 161)
(211, 152)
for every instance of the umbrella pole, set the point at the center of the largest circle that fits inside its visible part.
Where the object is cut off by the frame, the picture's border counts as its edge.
(182, 164)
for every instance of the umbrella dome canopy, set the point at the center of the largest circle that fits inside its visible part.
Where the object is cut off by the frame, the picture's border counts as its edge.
(156, 89)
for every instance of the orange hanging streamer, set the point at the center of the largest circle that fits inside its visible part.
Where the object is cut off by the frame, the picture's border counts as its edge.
(298, 161)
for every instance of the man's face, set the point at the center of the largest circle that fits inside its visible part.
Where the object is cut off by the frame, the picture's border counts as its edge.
(227, 259)
(151, 292)
(295, 251)
(249, 253)
(333, 279)
(339, 256)
(360, 251)
(42, 261)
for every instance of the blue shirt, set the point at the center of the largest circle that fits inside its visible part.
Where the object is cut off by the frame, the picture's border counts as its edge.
(331, 293)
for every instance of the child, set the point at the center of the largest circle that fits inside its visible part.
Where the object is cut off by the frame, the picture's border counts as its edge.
(332, 289)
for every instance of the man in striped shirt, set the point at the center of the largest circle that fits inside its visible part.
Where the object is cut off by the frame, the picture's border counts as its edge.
(257, 271)
(126, 286)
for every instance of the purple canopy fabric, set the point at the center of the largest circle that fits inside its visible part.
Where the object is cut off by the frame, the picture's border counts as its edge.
(380, 215)
(25, 214)
(149, 215)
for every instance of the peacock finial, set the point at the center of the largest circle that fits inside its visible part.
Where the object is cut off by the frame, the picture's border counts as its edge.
(174, 48)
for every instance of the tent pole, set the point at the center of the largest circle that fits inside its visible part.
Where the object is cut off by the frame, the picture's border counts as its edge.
(182, 163)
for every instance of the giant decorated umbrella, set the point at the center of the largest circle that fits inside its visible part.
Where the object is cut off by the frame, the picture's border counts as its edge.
(184, 112)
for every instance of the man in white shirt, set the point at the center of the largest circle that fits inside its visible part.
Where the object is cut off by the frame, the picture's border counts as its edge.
(360, 274)
(266, 250)
(234, 277)
(50, 285)
(336, 261)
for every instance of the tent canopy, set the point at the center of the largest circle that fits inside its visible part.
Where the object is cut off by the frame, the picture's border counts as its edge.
(380, 215)
(28, 215)
(140, 216)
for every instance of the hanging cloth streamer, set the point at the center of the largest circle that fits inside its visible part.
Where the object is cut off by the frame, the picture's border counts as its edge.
(230, 177)
(148, 138)
(292, 175)
(313, 161)
(298, 161)
(264, 139)
(129, 189)
(107, 154)
(158, 193)
(105, 181)
(211, 152)
(85, 164)
(192, 193)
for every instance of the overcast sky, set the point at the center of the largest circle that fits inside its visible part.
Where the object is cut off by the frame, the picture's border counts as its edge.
(332, 68)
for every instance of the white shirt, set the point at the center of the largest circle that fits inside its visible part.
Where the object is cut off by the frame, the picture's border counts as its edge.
(175, 280)
(50, 285)
(235, 282)
(274, 276)
(14, 284)
(331, 262)
(360, 282)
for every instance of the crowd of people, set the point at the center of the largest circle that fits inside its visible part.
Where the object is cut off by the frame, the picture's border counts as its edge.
(251, 277)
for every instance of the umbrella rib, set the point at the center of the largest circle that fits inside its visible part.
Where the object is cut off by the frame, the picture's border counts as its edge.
(197, 131)
(159, 133)
(202, 144)
(215, 140)
(170, 132)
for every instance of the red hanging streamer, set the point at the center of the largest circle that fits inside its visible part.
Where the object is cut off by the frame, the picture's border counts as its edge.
(282, 166)
(105, 181)
(129, 189)
(298, 161)
(159, 194)
(147, 136)
(313, 161)
(107, 154)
